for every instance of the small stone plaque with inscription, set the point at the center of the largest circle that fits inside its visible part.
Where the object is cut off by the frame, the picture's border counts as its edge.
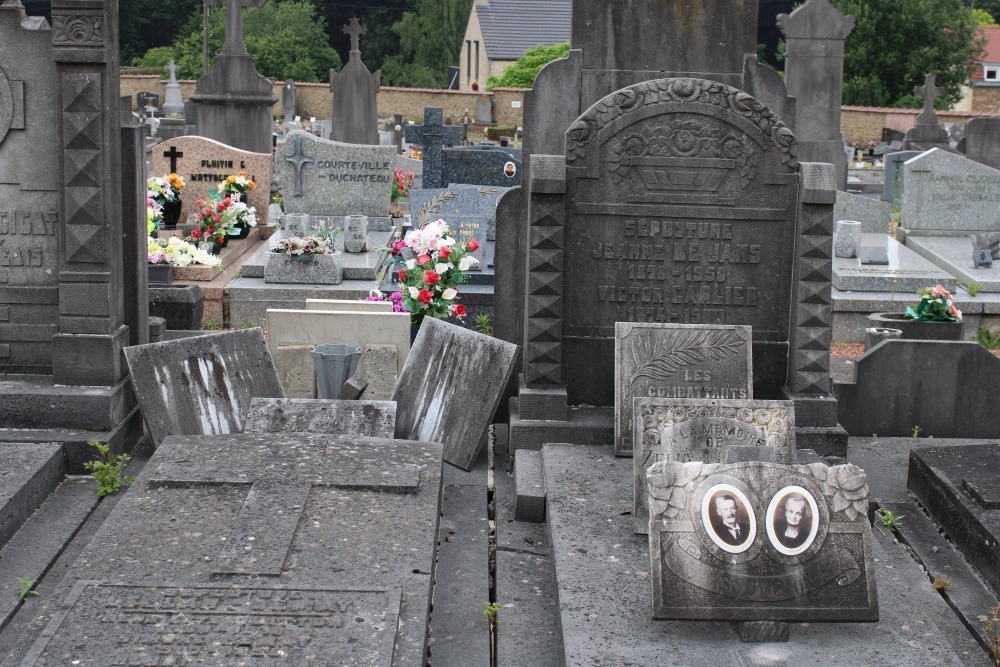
(760, 542)
(470, 211)
(711, 431)
(677, 361)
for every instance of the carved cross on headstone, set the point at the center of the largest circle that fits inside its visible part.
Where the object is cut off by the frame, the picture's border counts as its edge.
(172, 155)
(929, 92)
(298, 158)
(281, 470)
(234, 44)
(433, 135)
(355, 30)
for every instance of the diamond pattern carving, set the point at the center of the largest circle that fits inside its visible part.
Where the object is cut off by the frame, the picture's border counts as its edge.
(84, 206)
(82, 168)
(548, 307)
(81, 92)
(82, 130)
(85, 244)
(544, 330)
(546, 260)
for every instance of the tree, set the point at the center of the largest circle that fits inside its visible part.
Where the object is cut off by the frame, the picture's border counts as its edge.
(285, 38)
(430, 40)
(522, 73)
(895, 44)
(983, 17)
(143, 24)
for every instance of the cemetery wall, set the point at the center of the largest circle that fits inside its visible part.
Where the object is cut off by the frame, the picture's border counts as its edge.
(986, 98)
(315, 99)
(864, 124)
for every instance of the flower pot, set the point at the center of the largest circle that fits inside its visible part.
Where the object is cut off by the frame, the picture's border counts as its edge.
(334, 363)
(875, 335)
(171, 213)
(160, 273)
(240, 230)
(916, 329)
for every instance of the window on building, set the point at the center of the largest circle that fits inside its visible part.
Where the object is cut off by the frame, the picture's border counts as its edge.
(991, 72)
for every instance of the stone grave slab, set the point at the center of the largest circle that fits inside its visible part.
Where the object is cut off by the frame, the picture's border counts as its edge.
(872, 213)
(349, 306)
(28, 473)
(982, 141)
(953, 254)
(711, 431)
(470, 211)
(328, 178)
(906, 272)
(201, 385)
(959, 488)
(450, 387)
(482, 165)
(893, 189)
(949, 194)
(267, 524)
(377, 370)
(350, 328)
(355, 266)
(950, 390)
(290, 415)
(203, 162)
(416, 167)
(821, 569)
(295, 370)
(677, 361)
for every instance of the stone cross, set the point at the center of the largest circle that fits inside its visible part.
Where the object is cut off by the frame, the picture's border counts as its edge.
(172, 66)
(355, 30)
(280, 470)
(234, 44)
(298, 158)
(173, 154)
(433, 135)
(288, 100)
(929, 91)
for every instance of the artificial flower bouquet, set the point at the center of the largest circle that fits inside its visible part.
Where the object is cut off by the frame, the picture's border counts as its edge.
(159, 191)
(215, 219)
(429, 281)
(179, 253)
(396, 298)
(233, 188)
(304, 245)
(401, 184)
(936, 305)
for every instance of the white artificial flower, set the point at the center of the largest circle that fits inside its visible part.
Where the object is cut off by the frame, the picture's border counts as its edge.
(414, 292)
(441, 268)
(449, 293)
(467, 262)
(410, 263)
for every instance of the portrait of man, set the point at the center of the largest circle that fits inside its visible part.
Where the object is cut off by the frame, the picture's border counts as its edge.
(793, 521)
(725, 521)
(509, 170)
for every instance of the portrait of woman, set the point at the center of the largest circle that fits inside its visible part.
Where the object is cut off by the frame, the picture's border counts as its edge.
(791, 520)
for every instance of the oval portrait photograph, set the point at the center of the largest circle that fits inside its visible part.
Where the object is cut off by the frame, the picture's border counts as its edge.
(728, 518)
(792, 520)
(509, 169)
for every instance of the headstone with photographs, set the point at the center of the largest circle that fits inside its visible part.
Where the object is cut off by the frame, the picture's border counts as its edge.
(483, 165)
(355, 92)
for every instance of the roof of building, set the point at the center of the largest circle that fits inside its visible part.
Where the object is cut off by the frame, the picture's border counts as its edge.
(992, 55)
(511, 27)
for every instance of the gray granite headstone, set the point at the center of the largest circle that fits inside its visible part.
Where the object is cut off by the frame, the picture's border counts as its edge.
(873, 214)
(297, 415)
(949, 193)
(893, 174)
(433, 136)
(982, 141)
(201, 385)
(677, 361)
(355, 92)
(450, 387)
(803, 551)
(482, 165)
(711, 431)
(335, 179)
(468, 210)
(927, 133)
(285, 269)
(265, 525)
(288, 101)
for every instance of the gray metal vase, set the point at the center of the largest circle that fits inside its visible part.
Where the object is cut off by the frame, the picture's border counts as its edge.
(334, 364)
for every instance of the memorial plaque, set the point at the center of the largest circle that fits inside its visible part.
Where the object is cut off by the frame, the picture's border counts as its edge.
(290, 415)
(760, 541)
(202, 163)
(470, 212)
(677, 361)
(949, 193)
(710, 431)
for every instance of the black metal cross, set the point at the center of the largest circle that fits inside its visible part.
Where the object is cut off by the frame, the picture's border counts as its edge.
(298, 158)
(355, 30)
(173, 154)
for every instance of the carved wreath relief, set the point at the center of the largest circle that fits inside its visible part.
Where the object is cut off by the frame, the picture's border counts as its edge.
(758, 540)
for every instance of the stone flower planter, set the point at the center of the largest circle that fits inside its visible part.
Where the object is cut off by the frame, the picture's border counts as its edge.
(304, 269)
(916, 329)
(160, 274)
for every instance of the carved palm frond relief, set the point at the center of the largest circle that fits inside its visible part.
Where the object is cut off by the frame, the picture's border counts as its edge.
(656, 357)
(432, 206)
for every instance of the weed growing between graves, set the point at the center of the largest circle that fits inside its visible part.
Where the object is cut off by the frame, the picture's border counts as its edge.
(26, 592)
(941, 584)
(210, 324)
(916, 432)
(972, 288)
(987, 339)
(490, 611)
(991, 632)
(107, 469)
(889, 519)
(483, 324)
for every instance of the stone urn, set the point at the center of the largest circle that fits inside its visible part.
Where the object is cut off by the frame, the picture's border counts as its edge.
(916, 329)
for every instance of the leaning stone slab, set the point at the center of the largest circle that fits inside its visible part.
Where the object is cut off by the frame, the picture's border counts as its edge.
(295, 370)
(201, 385)
(677, 361)
(266, 525)
(821, 569)
(873, 214)
(450, 387)
(289, 415)
(28, 473)
(711, 431)
(377, 369)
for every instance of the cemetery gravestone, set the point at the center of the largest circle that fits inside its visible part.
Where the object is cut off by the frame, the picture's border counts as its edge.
(147, 102)
(982, 141)
(482, 165)
(201, 385)
(173, 103)
(433, 135)
(411, 166)
(873, 214)
(448, 370)
(677, 361)
(202, 163)
(290, 557)
(893, 174)
(355, 92)
(291, 415)
(467, 210)
(710, 431)
(801, 549)
(949, 194)
(927, 133)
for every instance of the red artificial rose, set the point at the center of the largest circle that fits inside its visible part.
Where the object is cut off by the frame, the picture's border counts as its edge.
(220, 238)
(219, 207)
(216, 218)
(431, 277)
(228, 201)
(201, 203)
(425, 296)
(458, 310)
(201, 216)
(195, 234)
(473, 246)
(211, 229)
(402, 275)
(444, 251)
(423, 259)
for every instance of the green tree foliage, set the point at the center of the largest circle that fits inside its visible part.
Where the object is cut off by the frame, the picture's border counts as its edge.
(380, 41)
(430, 40)
(983, 17)
(144, 24)
(522, 73)
(895, 44)
(285, 38)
